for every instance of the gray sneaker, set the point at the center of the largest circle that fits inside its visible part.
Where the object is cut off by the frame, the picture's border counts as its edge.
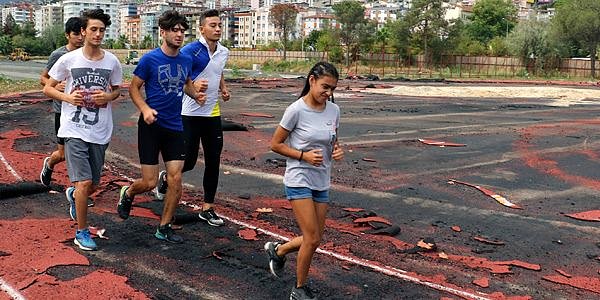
(302, 293)
(161, 186)
(276, 262)
(211, 217)
(46, 173)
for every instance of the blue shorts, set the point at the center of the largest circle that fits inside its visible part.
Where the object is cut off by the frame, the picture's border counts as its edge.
(294, 193)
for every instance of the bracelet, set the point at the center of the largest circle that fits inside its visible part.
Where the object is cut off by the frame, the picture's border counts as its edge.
(301, 154)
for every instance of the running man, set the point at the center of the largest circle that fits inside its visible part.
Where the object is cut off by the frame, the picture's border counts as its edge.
(74, 41)
(92, 78)
(165, 74)
(203, 122)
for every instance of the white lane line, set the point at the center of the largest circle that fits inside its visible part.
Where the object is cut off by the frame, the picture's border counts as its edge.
(10, 168)
(14, 294)
(387, 270)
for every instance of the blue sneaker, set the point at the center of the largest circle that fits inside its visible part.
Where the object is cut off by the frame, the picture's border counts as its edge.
(69, 193)
(84, 240)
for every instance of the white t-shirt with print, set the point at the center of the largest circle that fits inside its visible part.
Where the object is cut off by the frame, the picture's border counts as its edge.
(90, 122)
(310, 129)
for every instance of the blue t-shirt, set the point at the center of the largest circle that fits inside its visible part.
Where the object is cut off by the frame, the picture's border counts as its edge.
(164, 77)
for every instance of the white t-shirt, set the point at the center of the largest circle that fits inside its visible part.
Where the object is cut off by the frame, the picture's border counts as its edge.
(310, 129)
(209, 66)
(90, 123)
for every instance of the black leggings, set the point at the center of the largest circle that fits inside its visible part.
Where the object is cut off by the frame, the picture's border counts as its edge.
(209, 131)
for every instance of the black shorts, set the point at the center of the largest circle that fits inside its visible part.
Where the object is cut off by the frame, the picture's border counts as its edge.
(60, 141)
(153, 139)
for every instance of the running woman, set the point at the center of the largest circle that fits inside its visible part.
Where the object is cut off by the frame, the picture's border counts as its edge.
(307, 136)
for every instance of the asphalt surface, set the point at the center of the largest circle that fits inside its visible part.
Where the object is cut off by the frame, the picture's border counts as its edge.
(540, 157)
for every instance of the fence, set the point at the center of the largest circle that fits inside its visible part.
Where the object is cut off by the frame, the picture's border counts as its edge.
(458, 66)
(258, 56)
(417, 66)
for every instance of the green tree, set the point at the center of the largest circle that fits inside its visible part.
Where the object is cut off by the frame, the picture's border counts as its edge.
(579, 21)
(530, 41)
(121, 42)
(283, 16)
(426, 23)
(492, 18)
(6, 46)
(28, 29)
(53, 37)
(146, 42)
(400, 36)
(11, 28)
(109, 44)
(349, 14)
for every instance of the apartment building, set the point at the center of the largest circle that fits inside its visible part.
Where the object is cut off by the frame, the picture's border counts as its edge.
(73, 8)
(47, 16)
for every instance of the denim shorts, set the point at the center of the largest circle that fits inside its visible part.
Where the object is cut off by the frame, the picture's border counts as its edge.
(293, 193)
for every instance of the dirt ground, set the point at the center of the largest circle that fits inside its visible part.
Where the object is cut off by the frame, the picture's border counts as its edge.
(390, 196)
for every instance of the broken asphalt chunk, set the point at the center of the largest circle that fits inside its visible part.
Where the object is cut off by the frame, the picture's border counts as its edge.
(487, 192)
(592, 215)
(276, 161)
(440, 143)
(424, 245)
(488, 241)
(372, 219)
(563, 273)
(259, 115)
(388, 230)
(483, 282)
(247, 234)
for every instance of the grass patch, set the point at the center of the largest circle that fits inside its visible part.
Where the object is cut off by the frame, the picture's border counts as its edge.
(8, 85)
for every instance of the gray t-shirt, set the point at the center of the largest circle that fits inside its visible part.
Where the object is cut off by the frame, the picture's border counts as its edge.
(54, 56)
(310, 129)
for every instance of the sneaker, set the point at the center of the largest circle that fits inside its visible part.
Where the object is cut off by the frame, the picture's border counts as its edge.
(46, 173)
(161, 187)
(166, 233)
(302, 293)
(124, 205)
(69, 193)
(211, 217)
(276, 262)
(84, 240)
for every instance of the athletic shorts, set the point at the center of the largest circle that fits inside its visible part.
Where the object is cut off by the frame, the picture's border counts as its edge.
(294, 193)
(59, 140)
(84, 160)
(154, 139)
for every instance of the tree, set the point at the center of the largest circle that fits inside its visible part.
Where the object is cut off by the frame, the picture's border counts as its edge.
(530, 42)
(579, 21)
(53, 37)
(146, 43)
(349, 14)
(492, 18)
(283, 16)
(11, 27)
(28, 29)
(426, 23)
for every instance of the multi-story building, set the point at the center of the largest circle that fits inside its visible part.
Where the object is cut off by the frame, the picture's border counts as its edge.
(126, 10)
(21, 13)
(133, 29)
(242, 29)
(47, 16)
(73, 8)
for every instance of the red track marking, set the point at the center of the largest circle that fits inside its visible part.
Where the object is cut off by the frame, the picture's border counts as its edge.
(98, 284)
(535, 160)
(45, 243)
(592, 215)
(586, 283)
(483, 282)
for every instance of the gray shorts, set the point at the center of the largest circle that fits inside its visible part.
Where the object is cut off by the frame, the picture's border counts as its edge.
(84, 160)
